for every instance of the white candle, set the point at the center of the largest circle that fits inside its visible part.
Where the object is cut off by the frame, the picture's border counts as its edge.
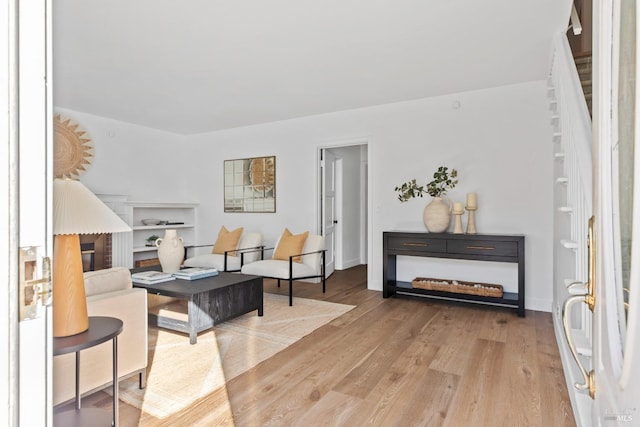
(457, 208)
(472, 200)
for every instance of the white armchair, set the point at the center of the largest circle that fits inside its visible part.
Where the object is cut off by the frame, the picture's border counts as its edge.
(109, 293)
(310, 269)
(248, 250)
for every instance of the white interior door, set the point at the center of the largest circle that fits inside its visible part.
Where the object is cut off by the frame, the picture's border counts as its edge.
(28, 119)
(616, 280)
(329, 220)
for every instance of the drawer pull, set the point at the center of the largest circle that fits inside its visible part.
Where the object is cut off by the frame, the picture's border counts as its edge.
(482, 248)
(424, 245)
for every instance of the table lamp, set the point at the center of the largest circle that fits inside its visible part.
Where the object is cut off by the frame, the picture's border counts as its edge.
(76, 210)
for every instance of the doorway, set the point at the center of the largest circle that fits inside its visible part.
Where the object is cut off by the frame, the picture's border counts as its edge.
(343, 215)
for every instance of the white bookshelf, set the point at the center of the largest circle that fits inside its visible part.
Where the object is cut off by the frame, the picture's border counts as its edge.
(184, 213)
(130, 247)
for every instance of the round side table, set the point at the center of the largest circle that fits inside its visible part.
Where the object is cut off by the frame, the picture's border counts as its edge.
(101, 329)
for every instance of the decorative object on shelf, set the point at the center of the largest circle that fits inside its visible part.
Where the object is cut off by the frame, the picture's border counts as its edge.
(472, 206)
(458, 211)
(458, 287)
(72, 148)
(151, 240)
(151, 221)
(437, 214)
(170, 251)
(76, 210)
(250, 185)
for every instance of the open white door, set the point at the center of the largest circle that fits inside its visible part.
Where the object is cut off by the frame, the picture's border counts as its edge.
(615, 282)
(26, 119)
(329, 221)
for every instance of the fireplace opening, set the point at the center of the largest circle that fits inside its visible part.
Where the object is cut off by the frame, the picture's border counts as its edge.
(96, 251)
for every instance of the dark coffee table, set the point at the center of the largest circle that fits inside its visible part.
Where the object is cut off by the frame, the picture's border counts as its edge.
(210, 301)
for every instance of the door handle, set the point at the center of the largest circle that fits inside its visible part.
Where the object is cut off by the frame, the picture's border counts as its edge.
(588, 297)
(588, 376)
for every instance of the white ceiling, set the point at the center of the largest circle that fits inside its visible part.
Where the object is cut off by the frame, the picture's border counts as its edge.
(194, 66)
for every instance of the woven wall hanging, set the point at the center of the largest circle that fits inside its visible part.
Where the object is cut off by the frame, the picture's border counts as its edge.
(72, 148)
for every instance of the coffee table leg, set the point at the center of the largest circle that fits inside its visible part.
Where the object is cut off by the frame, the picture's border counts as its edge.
(191, 314)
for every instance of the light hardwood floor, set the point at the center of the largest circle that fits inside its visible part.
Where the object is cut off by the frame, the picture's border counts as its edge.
(392, 362)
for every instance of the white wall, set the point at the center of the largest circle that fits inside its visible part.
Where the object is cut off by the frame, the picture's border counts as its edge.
(143, 163)
(498, 139)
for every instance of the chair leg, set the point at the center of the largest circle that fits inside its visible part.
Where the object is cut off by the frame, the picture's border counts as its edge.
(142, 380)
(324, 275)
(290, 292)
(278, 282)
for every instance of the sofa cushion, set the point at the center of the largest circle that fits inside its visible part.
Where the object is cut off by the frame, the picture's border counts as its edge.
(290, 244)
(227, 240)
(213, 261)
(107, 280)
(277, 269)
(250, 240)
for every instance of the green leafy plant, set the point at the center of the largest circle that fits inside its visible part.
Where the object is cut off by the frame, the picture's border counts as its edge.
(152, 239)
(443, 181)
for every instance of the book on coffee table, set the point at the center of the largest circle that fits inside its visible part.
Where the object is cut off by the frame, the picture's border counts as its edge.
(151, 277)
(193, 273)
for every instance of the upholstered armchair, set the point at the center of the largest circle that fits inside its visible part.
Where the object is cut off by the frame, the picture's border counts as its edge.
(301, 260)
(230, 256)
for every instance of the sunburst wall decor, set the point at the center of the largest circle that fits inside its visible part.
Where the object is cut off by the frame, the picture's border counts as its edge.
(72, 147)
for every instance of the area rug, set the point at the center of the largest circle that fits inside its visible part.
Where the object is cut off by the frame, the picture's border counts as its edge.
(179, 373)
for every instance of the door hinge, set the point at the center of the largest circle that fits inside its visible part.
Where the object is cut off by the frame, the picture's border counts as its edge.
(35, 282)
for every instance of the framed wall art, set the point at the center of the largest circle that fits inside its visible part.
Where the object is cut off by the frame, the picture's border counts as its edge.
(250, 185)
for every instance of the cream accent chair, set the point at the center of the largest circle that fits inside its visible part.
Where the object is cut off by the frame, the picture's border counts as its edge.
(248, 250)
(109, 293)
(311, 269)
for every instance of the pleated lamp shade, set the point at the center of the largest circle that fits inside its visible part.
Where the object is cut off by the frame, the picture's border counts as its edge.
(76, 210)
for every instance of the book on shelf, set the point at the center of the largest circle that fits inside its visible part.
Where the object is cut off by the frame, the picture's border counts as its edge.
(151, 277)
(193, 273)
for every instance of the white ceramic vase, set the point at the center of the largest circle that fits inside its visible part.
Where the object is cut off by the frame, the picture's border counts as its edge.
(170, 251)
(437, 215)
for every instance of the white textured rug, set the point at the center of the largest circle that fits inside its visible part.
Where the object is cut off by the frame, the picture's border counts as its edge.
(180, 373)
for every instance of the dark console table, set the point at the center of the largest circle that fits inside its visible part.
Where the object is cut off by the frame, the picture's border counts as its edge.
(479, 247)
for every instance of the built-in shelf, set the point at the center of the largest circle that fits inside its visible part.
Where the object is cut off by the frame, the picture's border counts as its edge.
(161, 227)
(127, 248)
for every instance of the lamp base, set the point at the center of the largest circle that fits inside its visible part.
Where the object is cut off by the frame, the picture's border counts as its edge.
(69, 297)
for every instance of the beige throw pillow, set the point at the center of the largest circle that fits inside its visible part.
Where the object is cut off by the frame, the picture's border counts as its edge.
(227, 241)
(290, 244)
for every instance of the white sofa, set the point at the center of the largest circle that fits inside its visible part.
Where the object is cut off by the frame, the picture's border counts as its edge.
(109, 293)
(248, 251)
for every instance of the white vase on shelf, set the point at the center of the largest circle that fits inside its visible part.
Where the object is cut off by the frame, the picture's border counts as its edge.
(170, 251)
(437, 215)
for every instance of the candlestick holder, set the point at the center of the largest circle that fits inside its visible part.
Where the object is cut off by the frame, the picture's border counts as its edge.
(471, 223)
(457, 227)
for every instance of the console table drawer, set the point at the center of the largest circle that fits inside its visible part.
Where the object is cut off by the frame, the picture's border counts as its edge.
(416, 245)
(483, 247)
